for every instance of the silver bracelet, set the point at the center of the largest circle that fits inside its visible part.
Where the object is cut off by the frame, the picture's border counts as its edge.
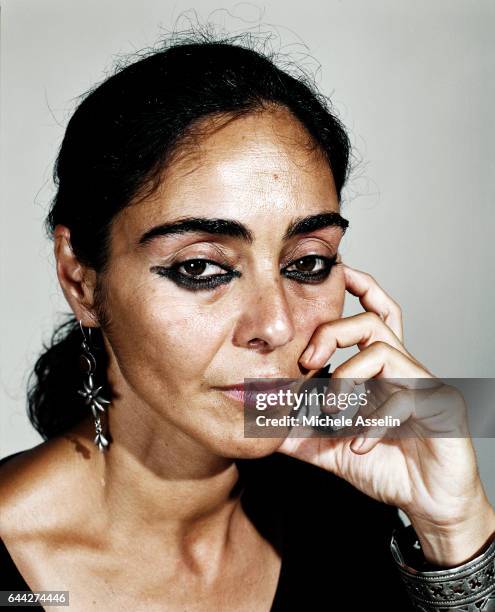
(469, 587)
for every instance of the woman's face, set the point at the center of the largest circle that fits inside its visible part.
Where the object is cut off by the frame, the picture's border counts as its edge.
(180, 331)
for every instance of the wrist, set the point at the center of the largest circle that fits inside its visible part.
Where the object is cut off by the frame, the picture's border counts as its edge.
(450, 545)
(469, 587)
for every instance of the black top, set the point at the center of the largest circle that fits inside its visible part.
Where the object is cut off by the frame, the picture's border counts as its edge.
(333, 539)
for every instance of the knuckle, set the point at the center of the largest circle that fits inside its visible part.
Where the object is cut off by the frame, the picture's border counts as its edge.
(372, 317)
(325, 332)
(456, 399)
(395, 306)
(380, 346)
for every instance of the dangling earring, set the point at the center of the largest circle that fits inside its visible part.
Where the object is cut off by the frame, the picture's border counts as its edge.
(90, 394)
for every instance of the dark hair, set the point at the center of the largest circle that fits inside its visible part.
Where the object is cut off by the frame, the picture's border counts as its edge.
(118, 141)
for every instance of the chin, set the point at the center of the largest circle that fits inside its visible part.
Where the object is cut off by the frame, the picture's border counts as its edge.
(246, 448)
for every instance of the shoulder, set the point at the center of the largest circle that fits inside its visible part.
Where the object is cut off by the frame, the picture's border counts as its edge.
(26, 481)
(39, 490)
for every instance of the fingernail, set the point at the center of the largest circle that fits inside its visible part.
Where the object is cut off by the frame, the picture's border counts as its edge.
(308, 353)
(357, 443)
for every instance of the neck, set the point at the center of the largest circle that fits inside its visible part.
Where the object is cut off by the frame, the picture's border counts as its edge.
(156, 481)
(163, 474)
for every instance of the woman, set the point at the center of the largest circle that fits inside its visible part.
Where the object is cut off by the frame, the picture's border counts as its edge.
(196, 231)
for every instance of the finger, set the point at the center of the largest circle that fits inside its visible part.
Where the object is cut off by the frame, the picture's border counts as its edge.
(399, 406)
(337, 392)
(383, 360)
(374, 298)
(376, 364)
(362, 329)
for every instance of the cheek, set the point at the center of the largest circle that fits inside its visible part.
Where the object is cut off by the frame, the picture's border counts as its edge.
(163, 338)
(313, 305)
(190, 336)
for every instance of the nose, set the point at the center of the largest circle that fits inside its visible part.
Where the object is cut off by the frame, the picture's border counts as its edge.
(266, 320)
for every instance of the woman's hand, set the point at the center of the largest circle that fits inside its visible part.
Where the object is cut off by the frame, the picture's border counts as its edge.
(434, 480)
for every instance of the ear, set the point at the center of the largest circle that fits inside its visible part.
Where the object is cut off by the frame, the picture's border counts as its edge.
(77, 281)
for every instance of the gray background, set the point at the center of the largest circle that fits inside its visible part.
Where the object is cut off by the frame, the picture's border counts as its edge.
(412, 81)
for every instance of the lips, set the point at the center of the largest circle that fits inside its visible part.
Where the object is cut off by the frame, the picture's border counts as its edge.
(248, 392)
(274, 383)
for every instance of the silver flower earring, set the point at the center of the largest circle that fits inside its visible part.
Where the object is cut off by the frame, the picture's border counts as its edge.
(91, 395)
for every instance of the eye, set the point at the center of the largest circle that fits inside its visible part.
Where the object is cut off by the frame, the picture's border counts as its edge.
(196, 268)
(310, 268)
(190, 274)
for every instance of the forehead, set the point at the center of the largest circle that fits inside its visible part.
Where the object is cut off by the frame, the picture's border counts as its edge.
(260, 168)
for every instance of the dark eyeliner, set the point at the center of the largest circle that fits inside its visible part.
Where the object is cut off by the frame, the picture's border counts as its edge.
(215, 280)
(311, 277)
(189, 282)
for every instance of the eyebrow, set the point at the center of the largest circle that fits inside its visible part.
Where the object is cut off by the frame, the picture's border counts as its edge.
(235, 229)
